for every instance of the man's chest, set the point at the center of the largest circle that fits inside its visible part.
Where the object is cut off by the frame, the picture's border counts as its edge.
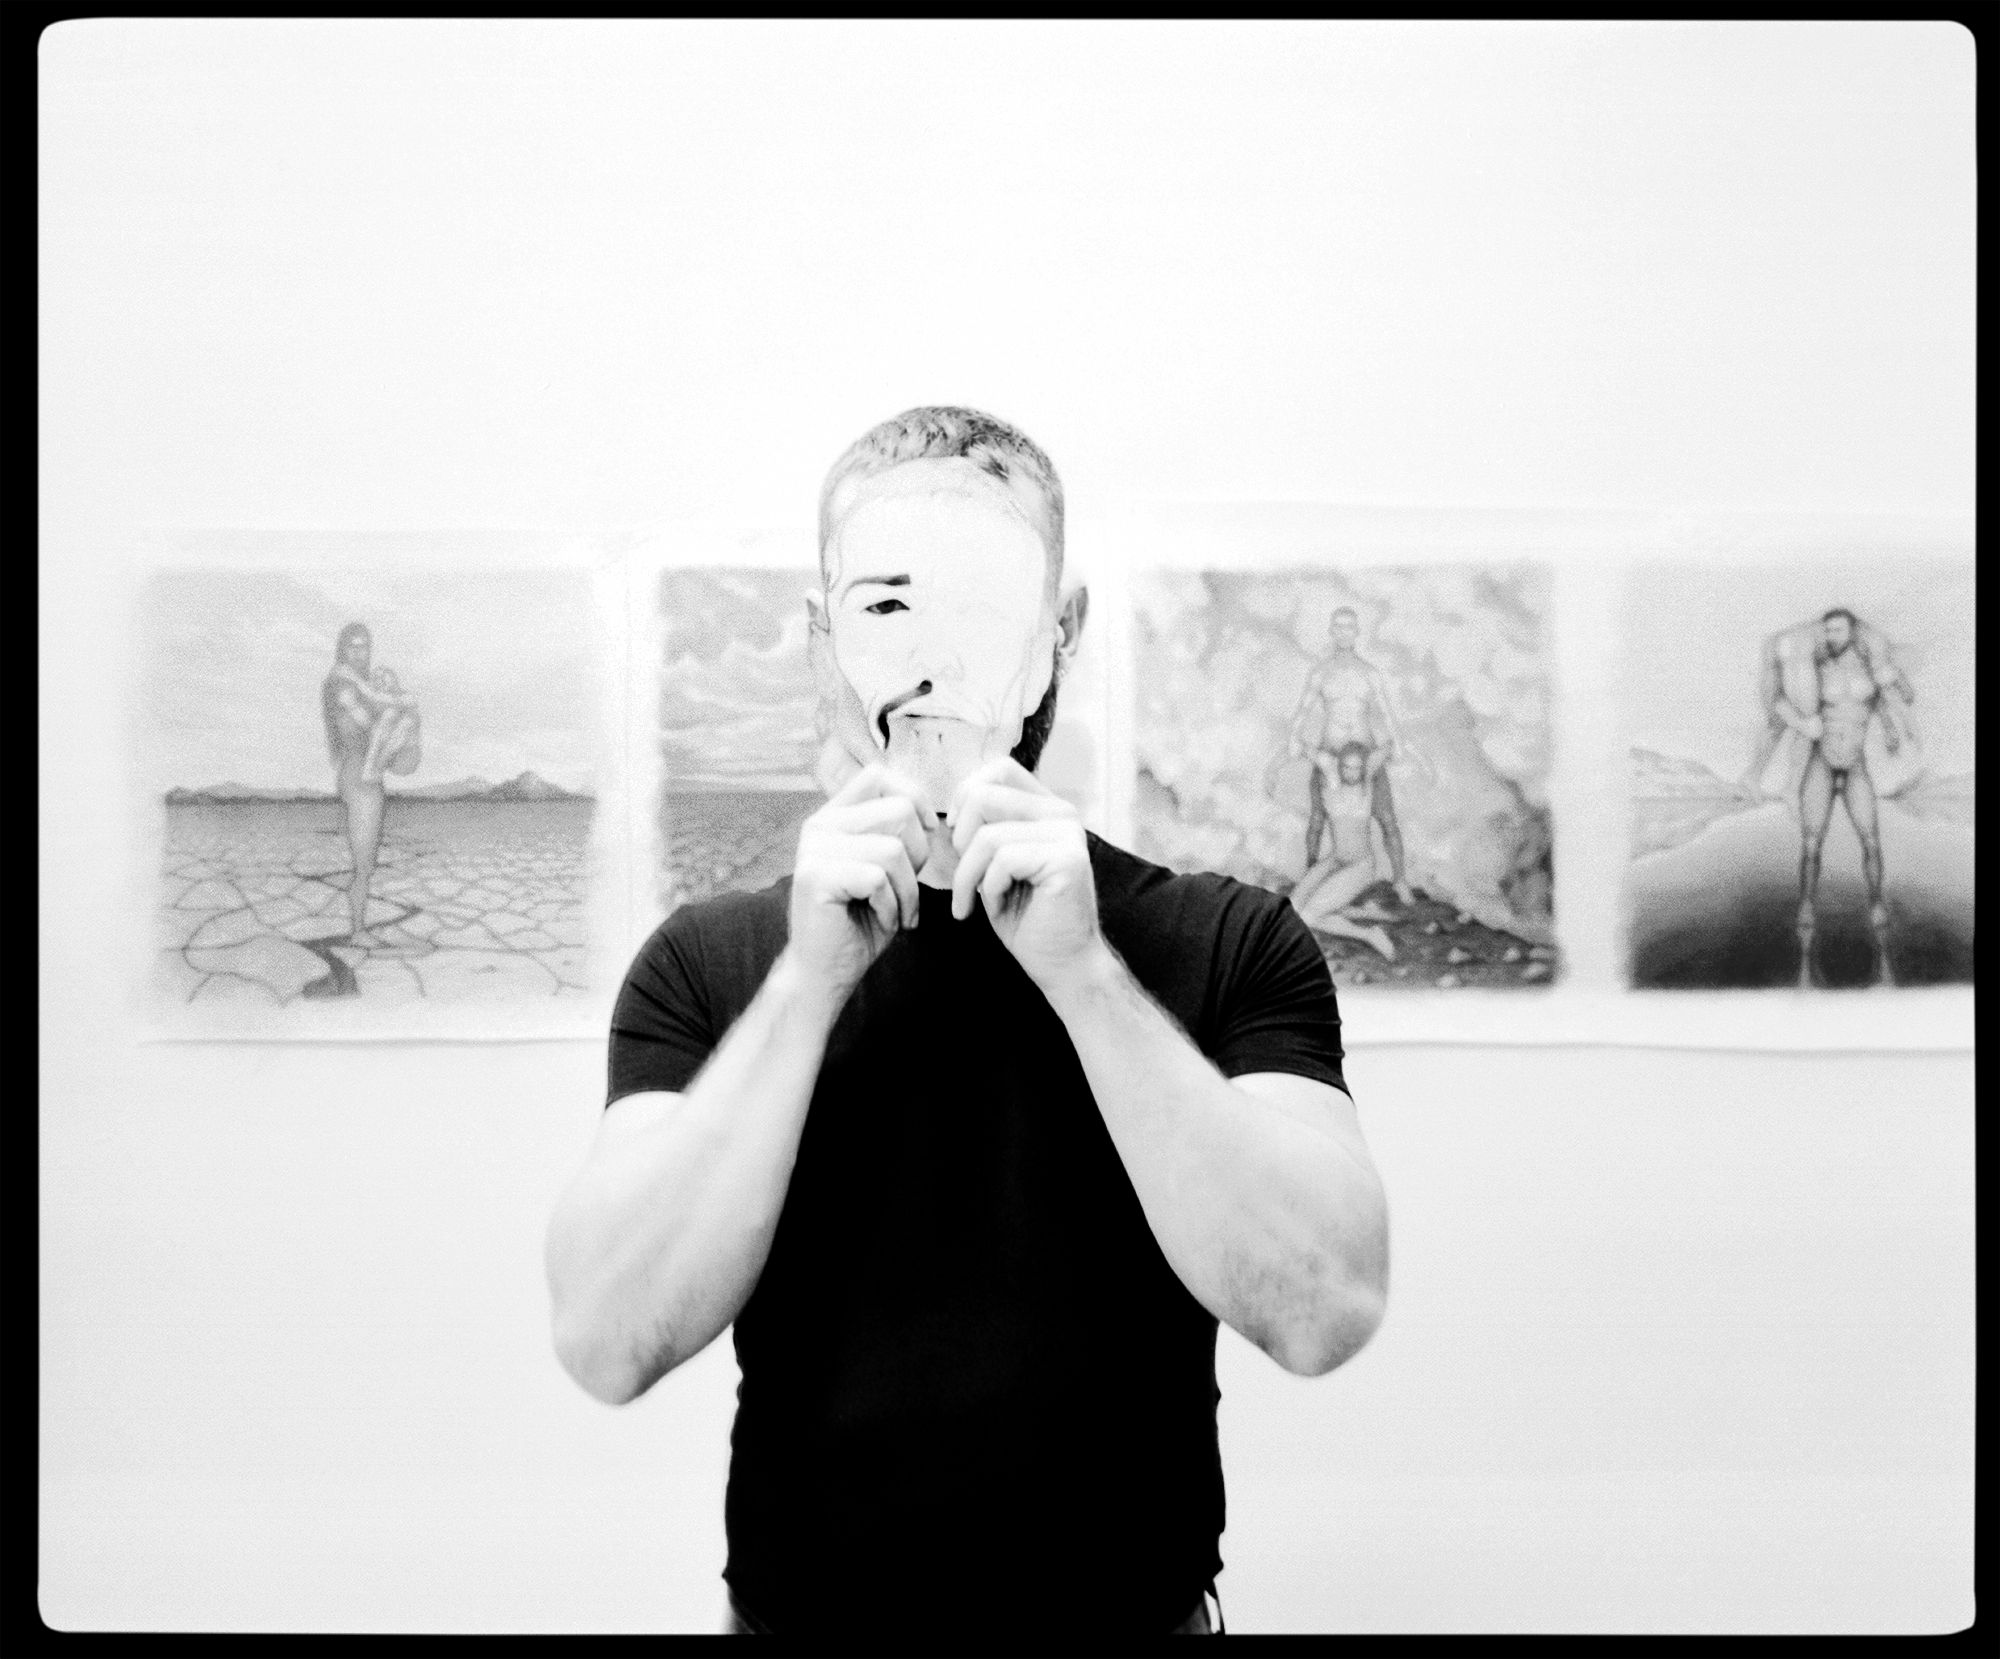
(1843, 680)
(1346, 688)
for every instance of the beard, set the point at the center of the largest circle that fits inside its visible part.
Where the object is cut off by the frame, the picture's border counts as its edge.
(1036, 728)
(841, 731)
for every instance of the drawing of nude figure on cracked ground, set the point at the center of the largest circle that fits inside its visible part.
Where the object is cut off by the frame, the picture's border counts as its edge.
(416, 877)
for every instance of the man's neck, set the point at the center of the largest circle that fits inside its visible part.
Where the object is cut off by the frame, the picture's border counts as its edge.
(942, 865)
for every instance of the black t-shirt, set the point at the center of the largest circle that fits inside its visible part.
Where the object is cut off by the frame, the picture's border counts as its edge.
(972, 1386)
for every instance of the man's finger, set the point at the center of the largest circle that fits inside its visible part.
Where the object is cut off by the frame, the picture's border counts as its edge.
(972, 866)
(889, 852)
(901, 783)
(1017, 861)
(877, 780)
(894, 815)
(1004, 770)
(864, 785)
(992, 803)
(862, 882)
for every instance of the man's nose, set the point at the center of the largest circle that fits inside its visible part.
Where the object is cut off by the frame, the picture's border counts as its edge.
(942, 664)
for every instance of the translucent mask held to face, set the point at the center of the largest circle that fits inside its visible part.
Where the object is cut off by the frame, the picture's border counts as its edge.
(940, 625)
(939, 755)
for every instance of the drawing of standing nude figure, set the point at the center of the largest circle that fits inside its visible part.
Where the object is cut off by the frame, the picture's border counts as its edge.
(1347, 694)
(1753, 733)
(1823, 682)
(372, 727)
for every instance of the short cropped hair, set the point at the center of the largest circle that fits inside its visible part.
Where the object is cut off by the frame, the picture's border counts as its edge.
(1355, 750)
(944, 432)
(1841, 610)
(350, 633)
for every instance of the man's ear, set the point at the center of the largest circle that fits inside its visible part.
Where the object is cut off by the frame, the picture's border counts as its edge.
(819, 653)
(1069, 623)
(837, 711)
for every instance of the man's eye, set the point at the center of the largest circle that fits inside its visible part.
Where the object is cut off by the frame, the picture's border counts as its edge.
(882, 607)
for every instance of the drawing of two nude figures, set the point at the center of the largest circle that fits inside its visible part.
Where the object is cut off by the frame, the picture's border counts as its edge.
(1823, 682)
(1346, 728)
(1832, 693)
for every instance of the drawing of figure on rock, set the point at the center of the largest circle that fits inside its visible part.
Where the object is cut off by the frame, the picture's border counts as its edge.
(1372, 742)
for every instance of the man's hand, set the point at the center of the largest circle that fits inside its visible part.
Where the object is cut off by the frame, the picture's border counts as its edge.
(855, 883)
(1808, 726)
(1022, 853)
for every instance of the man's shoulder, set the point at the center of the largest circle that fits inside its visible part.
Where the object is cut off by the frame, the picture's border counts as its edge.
(734, 910)
(724, 932)
(1133, 888)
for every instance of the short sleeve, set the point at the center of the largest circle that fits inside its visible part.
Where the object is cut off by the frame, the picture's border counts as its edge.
(1275, 1009)
(662, 1026)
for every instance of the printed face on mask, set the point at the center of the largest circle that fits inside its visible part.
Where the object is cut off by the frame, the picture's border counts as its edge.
(937, 622)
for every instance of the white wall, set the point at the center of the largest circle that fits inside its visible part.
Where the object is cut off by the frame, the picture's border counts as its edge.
(1679, 1340)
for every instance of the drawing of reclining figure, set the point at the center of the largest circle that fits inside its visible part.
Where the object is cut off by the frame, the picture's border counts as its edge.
(1326, 895)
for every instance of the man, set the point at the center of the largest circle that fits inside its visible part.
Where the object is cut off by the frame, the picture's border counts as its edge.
(973, 1128)
(1325, 898)
(1348, 695)
(1823, 682)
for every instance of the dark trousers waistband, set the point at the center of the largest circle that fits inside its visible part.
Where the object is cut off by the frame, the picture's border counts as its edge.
(743, 1622)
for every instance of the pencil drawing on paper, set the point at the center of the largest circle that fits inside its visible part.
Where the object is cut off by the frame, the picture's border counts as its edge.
(747, 745)
(1803, 801)
(445, 888)
(1373, 743)
(738, 732)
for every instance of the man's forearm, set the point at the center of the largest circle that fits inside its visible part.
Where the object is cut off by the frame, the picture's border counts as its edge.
(1273, 1224)
(1800, 723)
(660, 1241)
(1295, 738)
(1379, 687)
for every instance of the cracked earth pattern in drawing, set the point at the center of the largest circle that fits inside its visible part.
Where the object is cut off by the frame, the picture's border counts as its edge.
(470, 902)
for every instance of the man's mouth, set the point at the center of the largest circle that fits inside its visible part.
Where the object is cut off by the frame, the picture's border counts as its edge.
(921, 689)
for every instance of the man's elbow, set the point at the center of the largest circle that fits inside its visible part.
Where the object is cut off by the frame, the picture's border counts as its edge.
(591, 1343)
(597, 1367)
(1325, 1343)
